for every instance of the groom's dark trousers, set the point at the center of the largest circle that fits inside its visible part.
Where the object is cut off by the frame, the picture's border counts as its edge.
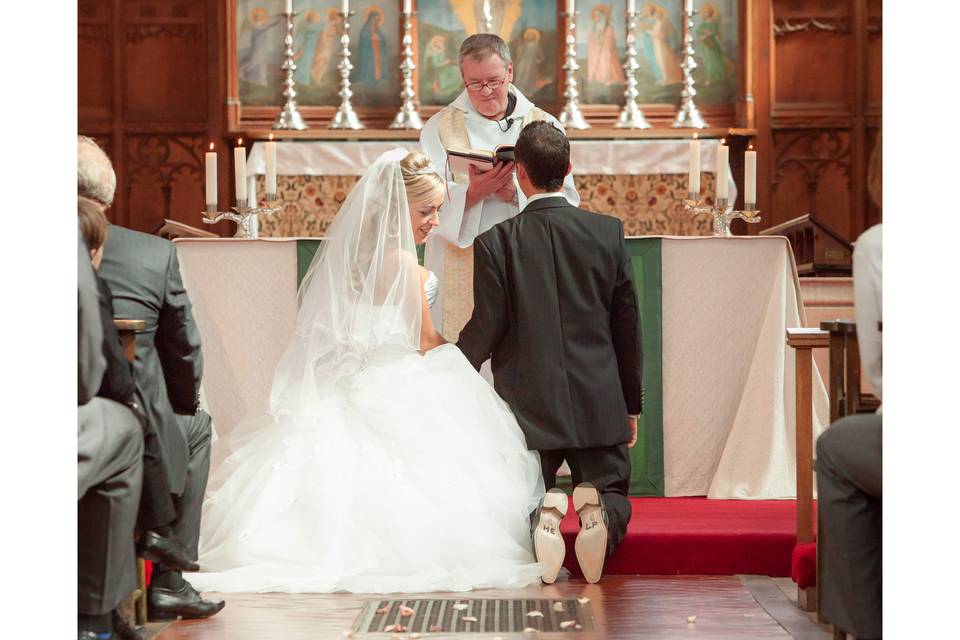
(555, 310)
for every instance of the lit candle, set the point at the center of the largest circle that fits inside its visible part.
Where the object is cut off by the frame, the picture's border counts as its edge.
(750, 176)
(694, 179)
(289, 6)
(571, 7)
(723, 168)
(407, 8)
(211, 177)
(631, 6)
(240, 170)
(270, 153)
(345, 6)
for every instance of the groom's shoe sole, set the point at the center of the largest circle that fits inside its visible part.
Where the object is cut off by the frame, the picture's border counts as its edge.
(591, 544)
(547, 542)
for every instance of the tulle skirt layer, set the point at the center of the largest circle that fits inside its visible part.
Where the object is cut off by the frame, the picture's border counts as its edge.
(412, 477)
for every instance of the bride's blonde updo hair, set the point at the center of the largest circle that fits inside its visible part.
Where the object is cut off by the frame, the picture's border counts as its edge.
(420, 178)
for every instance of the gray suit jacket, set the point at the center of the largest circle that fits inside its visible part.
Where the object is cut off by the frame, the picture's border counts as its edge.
(90, 360)
(144, 275)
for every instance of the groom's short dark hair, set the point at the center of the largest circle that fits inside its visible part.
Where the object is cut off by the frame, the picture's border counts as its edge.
(544, 152)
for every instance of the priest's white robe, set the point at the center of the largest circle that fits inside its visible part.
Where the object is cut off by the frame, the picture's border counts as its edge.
(460, 226)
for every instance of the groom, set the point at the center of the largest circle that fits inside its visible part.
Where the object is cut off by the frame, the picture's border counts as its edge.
(556, 311)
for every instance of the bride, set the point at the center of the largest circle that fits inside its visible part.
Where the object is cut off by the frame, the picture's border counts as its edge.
(387, 464)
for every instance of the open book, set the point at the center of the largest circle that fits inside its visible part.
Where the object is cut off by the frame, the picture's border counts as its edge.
(461, 159)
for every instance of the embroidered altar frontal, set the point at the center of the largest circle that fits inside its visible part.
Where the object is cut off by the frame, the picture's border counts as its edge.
(474, 615)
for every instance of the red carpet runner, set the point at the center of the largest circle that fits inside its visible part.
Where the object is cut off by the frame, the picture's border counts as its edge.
(696, 536)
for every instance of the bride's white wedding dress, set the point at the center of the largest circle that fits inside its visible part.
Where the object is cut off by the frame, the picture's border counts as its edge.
(405, 473)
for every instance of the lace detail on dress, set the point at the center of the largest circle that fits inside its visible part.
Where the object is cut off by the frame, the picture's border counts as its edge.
(431, 287)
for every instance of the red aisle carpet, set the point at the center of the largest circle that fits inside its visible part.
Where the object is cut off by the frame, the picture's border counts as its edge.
(696, 536)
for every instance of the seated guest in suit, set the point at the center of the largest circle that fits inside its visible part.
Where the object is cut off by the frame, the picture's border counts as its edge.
(850, 464)
(109, 472)
(143, 274)
(157, 511)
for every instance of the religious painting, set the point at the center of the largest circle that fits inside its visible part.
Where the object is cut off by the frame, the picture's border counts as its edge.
(658, 40)
(374, 48)
(529, 27)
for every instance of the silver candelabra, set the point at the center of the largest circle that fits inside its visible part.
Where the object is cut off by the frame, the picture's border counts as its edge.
(289, 117)
(346, 117)
(631, 117)
(408, 117)
(688, 116)
(246, 217)
(723, 214)
(571, 117)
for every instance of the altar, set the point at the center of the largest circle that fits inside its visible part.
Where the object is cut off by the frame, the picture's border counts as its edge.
(718, 377)
(641, 181)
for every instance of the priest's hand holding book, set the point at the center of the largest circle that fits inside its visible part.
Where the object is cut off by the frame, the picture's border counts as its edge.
(496, 182)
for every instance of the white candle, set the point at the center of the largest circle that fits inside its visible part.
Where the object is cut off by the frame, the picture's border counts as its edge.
(345, 6)
(631, 6)
(723, 169)
(211, 176)
(694, 178)
(688, 6)
(252, 190)
(240, 170)
(750, 176)
(571, 7)
(270, 154)
(407, 8)
(289, 6)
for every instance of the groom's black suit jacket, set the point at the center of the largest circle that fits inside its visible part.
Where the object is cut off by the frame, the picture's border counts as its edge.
(556, 309)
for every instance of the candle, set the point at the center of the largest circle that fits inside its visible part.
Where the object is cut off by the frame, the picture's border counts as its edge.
(694, 179)
(270, 153)
(631, 6)
(571, 7)
(407, 8)
(240, 170)
(289, 6)
(345, 6)
(750, 176)
(688, 6)
(211, 177)
(252, 190)
(723, 168)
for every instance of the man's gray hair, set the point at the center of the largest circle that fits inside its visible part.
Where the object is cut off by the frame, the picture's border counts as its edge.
(95, 177)
(481, 46)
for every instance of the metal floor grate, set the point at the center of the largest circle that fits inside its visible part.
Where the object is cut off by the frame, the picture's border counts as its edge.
(474, 615)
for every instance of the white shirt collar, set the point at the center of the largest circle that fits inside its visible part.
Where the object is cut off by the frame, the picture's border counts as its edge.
(541, 196)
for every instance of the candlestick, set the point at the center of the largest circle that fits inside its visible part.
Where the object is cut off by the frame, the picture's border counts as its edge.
(571, 117)
(346, 117)
(240, 171)
(693, 181)
(723, 169)
(210, 159)
(246, 217)
(270, 156)
(750, 176)
(631, 117)
(723, 214)
(688, 115)
(408, 117)
(289, 117)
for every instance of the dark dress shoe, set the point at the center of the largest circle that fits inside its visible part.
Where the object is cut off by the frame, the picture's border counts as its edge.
(124, 631)
(167, 551)
(185, 602)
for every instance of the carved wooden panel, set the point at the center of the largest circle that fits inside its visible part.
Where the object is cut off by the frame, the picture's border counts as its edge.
(165, 52)
(165, 179)
(874, 56)
(94, 60)
(812, 175)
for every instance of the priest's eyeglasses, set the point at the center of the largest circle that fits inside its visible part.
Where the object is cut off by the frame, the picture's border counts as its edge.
(493, 85)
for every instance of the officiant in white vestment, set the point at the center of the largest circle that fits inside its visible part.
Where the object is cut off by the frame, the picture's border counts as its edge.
(490, 112)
